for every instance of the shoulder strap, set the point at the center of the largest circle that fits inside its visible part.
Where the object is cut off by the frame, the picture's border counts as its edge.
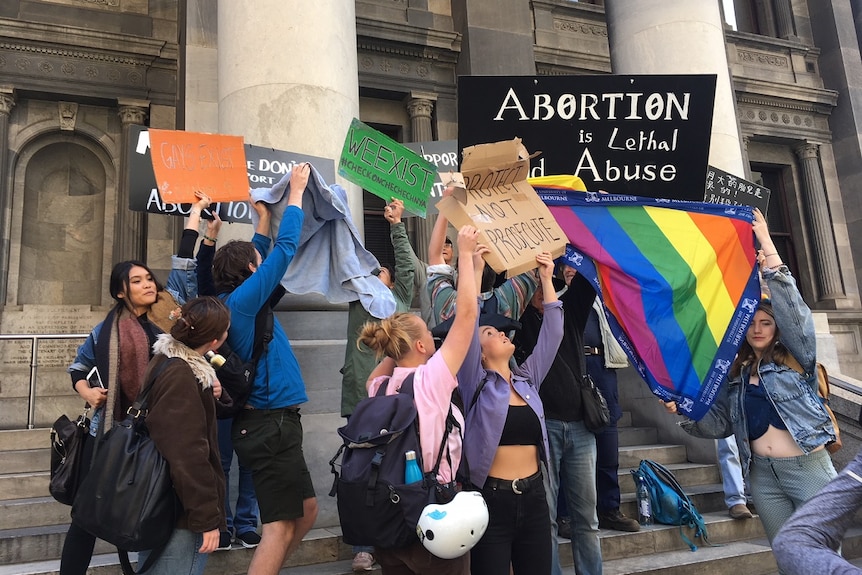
(451, 422)
(793, 364)
(264, 323)
(140, 405)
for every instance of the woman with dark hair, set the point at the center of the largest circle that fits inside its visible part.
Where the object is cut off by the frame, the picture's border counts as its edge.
(780, 425)
(182, 422)
(119, 350)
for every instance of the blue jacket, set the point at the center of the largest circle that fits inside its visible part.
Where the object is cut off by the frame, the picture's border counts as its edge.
(485, 419)
(793, 395)
(278, 380)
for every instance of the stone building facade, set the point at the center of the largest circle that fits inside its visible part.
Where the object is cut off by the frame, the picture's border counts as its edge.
(75, 74)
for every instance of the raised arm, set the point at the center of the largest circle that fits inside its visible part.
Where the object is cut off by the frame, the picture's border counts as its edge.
(438, 236)
(404, 256)
(792, 315)
(457, 342)
(206, 252)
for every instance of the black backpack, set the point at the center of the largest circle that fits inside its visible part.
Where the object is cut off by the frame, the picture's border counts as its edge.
(375, 507)
(237, 376)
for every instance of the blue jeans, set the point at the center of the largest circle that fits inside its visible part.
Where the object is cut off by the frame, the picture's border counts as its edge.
(180, 557)
(245, 518)
(731, 471)
(572, 463)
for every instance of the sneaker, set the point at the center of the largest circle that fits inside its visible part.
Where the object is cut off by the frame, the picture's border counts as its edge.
(224, 541)
(740, 511)
(363, 561)
(564, 527)
(616, 520)
(249, 539)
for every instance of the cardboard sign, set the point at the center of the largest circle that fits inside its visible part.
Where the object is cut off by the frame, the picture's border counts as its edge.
(386, 168)
(443, 154)
(633, 135)
(265, 167)
(725, 188)
(512, 221)
(186, 162)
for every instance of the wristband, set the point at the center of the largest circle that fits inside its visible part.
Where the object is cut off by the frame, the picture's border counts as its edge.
(209, 239)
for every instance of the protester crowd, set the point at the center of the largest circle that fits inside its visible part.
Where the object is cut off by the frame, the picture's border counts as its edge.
(513, 357)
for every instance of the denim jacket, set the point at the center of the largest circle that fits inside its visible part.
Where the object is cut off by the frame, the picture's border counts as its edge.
(793, 395)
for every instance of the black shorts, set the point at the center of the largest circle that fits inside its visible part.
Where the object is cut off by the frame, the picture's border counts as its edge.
(269, 442)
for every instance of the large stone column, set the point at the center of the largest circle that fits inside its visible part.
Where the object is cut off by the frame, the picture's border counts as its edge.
(420, 108)
(288, 76)
(825, 258)
(497, 37)
(649, 36)
(129, 227)
(7, 102)
(784, 20)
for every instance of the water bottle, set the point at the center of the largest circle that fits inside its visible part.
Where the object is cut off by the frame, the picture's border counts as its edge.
(412, 473)
(644, 505)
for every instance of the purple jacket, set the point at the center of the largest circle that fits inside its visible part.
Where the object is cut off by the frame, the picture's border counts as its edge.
(487, 416)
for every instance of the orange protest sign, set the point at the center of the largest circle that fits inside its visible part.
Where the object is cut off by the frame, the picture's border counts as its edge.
(185, 162)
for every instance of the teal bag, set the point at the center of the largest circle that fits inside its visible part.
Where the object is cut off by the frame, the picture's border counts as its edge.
(670, 504)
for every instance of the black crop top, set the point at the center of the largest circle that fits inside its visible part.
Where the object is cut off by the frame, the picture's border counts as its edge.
(522, 427)
(759, 412)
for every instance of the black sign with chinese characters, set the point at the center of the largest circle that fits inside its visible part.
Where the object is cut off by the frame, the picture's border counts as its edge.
(725, 188)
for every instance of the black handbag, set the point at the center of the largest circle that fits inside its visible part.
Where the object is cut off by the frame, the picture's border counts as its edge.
(67, 448)
(128, 498)
(597, 416)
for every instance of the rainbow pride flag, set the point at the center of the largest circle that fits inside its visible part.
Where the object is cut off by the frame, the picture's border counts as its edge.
(678, 280)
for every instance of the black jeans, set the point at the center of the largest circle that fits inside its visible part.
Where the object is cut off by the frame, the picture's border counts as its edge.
(78, 546)
(518, 533)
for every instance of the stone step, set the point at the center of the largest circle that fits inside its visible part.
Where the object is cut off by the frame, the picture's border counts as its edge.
(662, 538)
(24, 485)
(26, 545)
(631, 455)
(625, 420)
(752, 557)
(630, 436)
(26, 460)
(32, 512)
(320, 547)
(15, 439)
(706, 498)
(686, 473)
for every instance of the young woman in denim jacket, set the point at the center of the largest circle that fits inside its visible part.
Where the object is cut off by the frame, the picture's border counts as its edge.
(120, 347)
(506, 441)
(780, 424)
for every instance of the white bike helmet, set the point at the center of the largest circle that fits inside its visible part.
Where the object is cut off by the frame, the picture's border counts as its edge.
(450, 530)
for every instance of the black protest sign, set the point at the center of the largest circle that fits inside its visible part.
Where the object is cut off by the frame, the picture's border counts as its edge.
(444, 155)
(265, 167)
(640, 135)
(725, 188)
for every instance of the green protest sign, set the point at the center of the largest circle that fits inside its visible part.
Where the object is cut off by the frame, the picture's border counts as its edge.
(386, 168)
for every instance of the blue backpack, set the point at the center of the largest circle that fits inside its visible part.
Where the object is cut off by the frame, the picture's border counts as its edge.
(670, 504)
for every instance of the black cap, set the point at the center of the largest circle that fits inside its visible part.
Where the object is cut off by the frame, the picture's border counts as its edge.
(495, 320)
